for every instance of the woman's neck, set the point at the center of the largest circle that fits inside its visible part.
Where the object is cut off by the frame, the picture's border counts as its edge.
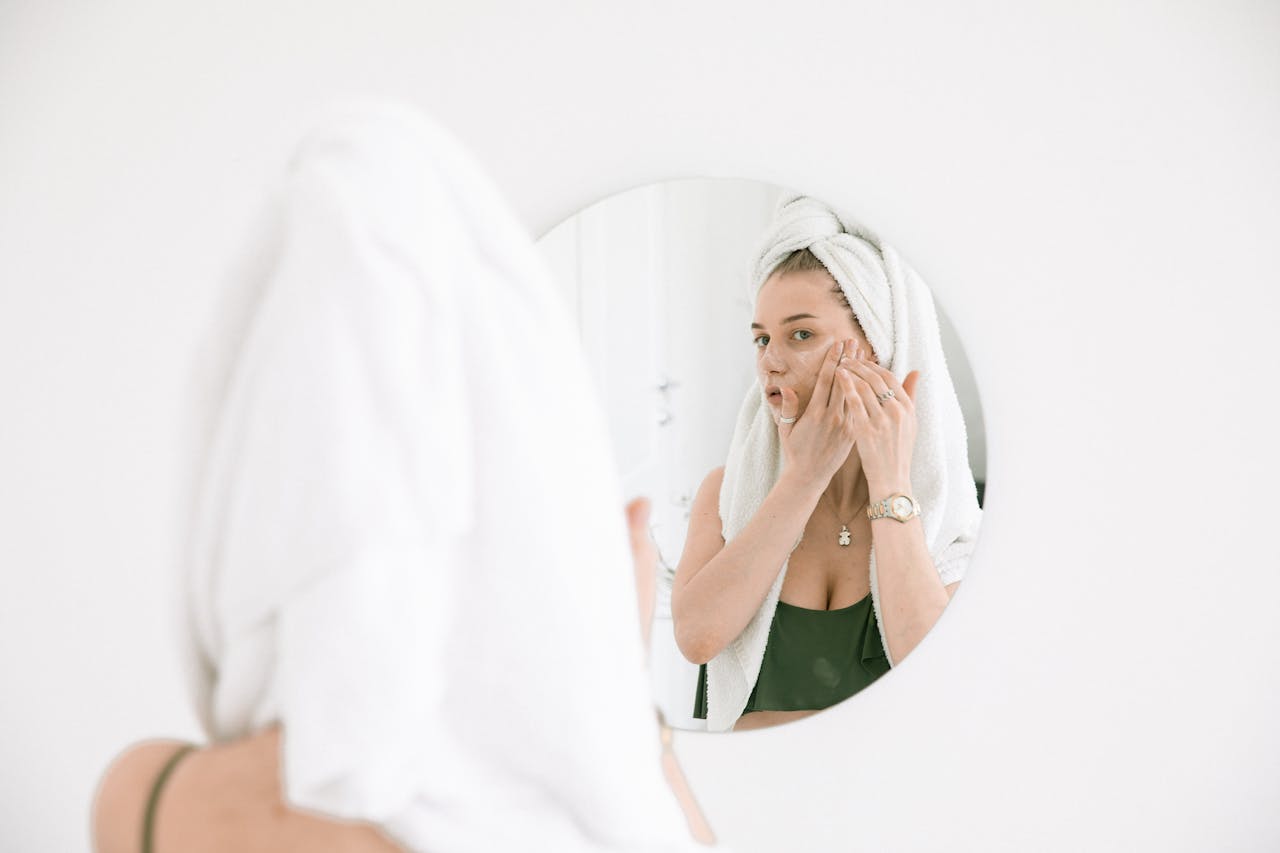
(847, 490)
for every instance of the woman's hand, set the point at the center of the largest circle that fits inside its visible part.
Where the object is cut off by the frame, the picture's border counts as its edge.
(644, 555)
(885, 427)
(820, 440)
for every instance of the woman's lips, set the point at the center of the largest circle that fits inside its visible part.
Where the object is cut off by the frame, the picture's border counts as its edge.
(773, 393)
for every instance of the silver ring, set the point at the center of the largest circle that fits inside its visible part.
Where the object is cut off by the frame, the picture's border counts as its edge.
(783, 420)
(885, 396)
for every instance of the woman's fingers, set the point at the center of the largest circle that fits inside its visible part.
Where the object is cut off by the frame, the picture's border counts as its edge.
(788, 412)
(638, 521)
(883, 380)
(886, 435)
(840, 390)
(855, 405)
(835, 404)
(644, 555)
(870, 384)
(826, 376)
(868, 388)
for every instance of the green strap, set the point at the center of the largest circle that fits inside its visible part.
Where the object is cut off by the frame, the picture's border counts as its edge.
(148, 822)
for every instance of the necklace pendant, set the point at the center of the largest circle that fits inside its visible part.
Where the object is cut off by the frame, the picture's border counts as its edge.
(845, 536)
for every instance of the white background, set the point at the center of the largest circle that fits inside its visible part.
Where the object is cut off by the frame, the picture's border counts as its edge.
(1091, 189)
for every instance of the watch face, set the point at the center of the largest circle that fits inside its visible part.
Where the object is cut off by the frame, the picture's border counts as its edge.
(901, 506)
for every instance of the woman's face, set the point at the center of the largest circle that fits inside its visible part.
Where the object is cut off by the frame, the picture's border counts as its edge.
(798, 318)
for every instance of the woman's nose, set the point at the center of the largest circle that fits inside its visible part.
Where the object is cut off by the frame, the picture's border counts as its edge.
(771, 360)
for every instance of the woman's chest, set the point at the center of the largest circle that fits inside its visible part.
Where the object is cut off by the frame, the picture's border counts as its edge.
(823, 573)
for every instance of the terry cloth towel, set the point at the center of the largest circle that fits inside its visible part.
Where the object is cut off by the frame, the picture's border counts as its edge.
(896, 312)
(409, 546)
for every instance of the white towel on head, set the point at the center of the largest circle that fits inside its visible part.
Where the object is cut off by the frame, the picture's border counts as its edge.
(896, 312)
(408, 545)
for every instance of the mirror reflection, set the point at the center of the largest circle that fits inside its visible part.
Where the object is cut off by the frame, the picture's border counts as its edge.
(780, 382)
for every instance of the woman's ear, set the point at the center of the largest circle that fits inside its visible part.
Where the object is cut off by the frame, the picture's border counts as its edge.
(864, 343)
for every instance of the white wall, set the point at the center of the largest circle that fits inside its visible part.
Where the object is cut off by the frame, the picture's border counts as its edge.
(1090, 189)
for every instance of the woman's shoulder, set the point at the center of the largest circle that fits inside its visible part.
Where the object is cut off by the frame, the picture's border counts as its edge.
(120, 802)
(706, 503)
(223, 797)
(713, 480)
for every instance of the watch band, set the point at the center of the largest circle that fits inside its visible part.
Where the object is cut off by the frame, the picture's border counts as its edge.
(897, 506)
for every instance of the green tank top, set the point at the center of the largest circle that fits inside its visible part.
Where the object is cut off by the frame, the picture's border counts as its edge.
(813, 659)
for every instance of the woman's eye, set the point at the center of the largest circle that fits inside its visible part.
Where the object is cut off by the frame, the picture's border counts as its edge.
(802, 334)
(761, 341)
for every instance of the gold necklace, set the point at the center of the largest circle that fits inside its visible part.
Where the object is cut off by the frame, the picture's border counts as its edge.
(846, 538)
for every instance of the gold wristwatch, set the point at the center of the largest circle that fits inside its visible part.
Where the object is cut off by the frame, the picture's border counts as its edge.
(899, 507)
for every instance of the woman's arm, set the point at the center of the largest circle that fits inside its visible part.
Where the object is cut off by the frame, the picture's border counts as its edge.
(912, 596)
(719, 587)
(645, 556)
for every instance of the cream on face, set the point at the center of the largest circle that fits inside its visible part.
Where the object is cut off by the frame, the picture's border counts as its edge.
(797, 321)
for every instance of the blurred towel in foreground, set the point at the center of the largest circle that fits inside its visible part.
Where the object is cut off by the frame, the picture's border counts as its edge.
(409, 545)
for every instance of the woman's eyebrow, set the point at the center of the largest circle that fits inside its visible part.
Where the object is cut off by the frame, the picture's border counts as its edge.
(790, 319)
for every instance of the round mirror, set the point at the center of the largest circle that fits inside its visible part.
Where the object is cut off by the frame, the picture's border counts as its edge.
(801, 557)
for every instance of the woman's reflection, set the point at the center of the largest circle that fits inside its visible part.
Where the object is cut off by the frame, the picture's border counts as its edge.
(832, 539)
